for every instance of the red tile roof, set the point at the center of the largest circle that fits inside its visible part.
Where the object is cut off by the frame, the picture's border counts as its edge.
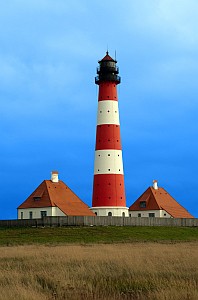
(160, 199)
(57, 194)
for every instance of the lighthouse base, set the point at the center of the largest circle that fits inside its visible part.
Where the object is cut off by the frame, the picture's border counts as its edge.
(104, 211)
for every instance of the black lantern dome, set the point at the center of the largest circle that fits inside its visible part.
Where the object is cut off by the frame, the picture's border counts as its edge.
(107, 71)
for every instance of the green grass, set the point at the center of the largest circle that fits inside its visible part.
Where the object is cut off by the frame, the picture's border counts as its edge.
(86, 235)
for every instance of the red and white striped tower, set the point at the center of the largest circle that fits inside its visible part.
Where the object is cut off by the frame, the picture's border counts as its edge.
(108, 187)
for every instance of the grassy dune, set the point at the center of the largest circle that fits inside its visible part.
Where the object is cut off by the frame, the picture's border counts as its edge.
(101, 271)
(84, 235)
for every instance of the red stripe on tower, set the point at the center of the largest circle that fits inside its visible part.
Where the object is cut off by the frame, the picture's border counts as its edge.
(108, 187)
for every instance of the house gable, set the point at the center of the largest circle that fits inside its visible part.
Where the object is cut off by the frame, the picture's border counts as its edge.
(146, 198)
(39, 198)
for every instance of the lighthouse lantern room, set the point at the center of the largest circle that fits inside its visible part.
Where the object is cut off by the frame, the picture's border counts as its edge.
(108, 187)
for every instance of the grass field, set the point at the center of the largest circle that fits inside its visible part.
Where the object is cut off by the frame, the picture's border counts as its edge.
(99, 263)
(103, 271)
(62, 235)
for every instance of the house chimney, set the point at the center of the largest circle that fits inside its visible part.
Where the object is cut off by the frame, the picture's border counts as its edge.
(54, 176)
(155, 186)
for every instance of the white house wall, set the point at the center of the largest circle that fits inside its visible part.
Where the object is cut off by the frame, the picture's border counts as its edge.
(56, 212)
(158, 213)
(164, 214)
(36, 212)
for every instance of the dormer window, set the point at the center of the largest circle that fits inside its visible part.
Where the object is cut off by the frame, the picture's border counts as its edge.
(142, 204)
(37, 198)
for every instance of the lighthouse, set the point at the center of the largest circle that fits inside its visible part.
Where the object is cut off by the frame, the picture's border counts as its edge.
(108, 197)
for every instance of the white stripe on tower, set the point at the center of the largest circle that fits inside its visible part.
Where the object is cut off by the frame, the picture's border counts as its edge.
(108, 112)
(108, 162)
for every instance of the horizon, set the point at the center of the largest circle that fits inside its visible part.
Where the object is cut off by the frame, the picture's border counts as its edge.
(48, 62)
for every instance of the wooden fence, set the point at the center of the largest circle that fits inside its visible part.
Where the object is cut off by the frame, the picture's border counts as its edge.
(99, 221)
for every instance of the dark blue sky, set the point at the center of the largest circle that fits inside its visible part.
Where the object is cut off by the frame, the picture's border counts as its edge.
(48, 58)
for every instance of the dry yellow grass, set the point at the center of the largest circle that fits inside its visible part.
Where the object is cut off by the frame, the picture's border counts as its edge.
(119, 271)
